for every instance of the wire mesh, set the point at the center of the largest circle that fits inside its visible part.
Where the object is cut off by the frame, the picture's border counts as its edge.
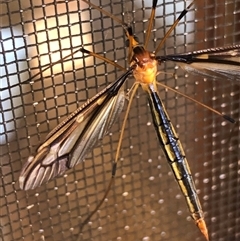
(145, 202)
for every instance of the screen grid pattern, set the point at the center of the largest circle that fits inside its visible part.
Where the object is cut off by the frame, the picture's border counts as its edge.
(145, 202)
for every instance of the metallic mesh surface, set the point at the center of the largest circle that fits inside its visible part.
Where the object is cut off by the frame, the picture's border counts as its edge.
(145, 202)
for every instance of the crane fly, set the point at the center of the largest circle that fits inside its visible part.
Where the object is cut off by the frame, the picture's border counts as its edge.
(69, 143)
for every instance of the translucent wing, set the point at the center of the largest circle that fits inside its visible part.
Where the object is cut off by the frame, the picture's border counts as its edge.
(70, 141)
(215, 63)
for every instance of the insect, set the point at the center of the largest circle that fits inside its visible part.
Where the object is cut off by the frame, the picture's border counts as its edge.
(69, 142)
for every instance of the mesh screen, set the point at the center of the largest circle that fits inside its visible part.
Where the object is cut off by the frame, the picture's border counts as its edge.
(145, 202)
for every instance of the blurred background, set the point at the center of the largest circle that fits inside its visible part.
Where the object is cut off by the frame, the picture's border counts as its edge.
(145, 202)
